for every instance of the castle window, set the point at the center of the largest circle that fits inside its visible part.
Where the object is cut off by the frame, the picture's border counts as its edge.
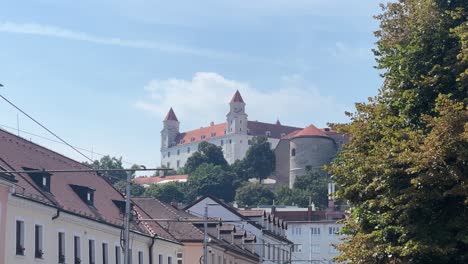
(203, 137)
(249, 142)
(293, 152)
(192, 139)
(268, 133)
(168, 165)
(188, 150)
(222, 142)
(213, 134)
(168, 154)
(178, 152)
(240, 129)
(178, 164)
(224, 131)
(230, 141)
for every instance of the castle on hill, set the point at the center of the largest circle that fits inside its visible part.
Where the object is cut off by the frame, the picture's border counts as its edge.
(297, 149)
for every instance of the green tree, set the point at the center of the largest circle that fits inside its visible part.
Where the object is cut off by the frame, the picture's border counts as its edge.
(253, 194)
(259, 161)
(314, 186)
(168, 192)
(404, 171)
(207, 153)
(287, 196)
(106, 163)
(135, 189)
(209, 179)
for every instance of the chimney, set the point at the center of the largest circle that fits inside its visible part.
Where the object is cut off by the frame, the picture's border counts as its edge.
(175, 205)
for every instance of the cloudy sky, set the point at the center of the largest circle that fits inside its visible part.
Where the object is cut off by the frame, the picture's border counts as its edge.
(103, 73)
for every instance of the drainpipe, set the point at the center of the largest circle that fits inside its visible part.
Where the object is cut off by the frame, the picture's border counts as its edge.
(150, 249)
(56, 215)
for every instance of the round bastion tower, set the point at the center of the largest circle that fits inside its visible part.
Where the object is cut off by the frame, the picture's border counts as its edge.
(310, 148)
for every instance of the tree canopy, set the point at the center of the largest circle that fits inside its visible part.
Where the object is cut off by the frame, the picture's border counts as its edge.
(254, 194)
(211, 179)
(107, 162)
(207, 153)
(168, 192)
(259, 161)
(405, 169)
(135, 188)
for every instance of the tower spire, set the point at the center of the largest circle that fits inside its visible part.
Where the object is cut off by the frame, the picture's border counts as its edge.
(171, 116)
(237, 97)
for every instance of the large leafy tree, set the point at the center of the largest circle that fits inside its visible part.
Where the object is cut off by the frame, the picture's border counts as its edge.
(209, 179)
(254, 194)
(259, 161)
(207, 153)
(404, 171)
(135, 188)
(168, 192)
(107, 162)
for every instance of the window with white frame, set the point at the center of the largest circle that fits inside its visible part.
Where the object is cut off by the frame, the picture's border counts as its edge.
(169, 260)
(19, 237)
(38, 249)
(91, 252)
(77, 249)
(118, 259)
(315, 248)
(161, 259)
(333, 230)
(61, 247)
(105, 253)
(315, 231)
(140, 257)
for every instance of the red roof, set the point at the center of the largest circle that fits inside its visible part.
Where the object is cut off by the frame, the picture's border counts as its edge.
(17, 153)
(309, 131)
(237, 97)
(171, 116)
(255, 128)
(156, 180)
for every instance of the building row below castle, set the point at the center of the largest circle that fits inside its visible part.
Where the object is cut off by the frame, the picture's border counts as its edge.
(297, 149)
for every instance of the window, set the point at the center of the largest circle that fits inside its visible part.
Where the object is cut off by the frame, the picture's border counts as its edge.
(274, 252)
(188, 150)
(130, 256)
(38, 253)
(192, 139)
(41, 179)
(249, 142)
(297, 248)
(105, 253)
(213, 134)
(169, 260)
(117, 255)
(85, 193)
(19, 237)
(315, 248)
(293, 152)
(61, 247)
(269, 251)
(178, 164)
(268, 133)
(178, 152)
(161, 259)
(296, 230)
(283, 134)
(140, 257)
(222, 142)
(230, 141)
(212, 259)
(219, 260)
(180, 257)
(168, 165)
(77, 249)
(203, 136)
(169, 154)
(315, 231)
(333, 230)
(91, 252)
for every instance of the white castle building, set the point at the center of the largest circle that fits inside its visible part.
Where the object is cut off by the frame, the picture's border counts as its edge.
(296, 148)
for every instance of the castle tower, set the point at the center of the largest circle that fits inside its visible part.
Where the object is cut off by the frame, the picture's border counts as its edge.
(237, 118)
(170, 130)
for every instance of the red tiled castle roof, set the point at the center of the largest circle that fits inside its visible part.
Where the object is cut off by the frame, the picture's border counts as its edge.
(309, 131)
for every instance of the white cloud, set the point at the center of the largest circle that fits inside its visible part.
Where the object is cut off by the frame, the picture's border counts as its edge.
(58, 32)
(206, 97)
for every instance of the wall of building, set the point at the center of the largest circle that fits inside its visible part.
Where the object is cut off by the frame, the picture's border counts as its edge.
(282, 163)
(314, 248)
(4, 193)
(310, 151)
(33, 213)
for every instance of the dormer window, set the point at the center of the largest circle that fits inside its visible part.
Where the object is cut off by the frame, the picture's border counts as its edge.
(41, 179)
(121, 206)
(283, 134)
(85, 193)
(268, 133)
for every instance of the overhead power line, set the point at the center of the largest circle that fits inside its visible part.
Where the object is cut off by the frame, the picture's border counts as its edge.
(44, 127)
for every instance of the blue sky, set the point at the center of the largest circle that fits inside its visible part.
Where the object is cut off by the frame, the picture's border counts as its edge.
(103, 73)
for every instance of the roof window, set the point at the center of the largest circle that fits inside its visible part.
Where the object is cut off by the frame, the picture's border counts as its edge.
(268, 133)
(85, 193)
(40, 178)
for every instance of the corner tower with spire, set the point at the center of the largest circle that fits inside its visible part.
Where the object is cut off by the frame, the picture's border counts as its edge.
(170, 130)
(237, 118)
